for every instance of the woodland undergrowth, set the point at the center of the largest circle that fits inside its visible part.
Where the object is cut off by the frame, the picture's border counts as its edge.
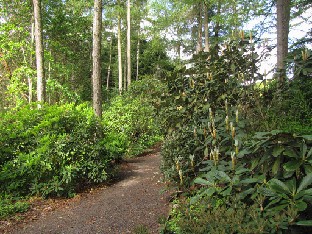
(58, 150)
(238, 152)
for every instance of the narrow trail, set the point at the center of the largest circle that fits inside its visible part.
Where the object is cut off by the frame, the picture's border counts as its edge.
(134, 200)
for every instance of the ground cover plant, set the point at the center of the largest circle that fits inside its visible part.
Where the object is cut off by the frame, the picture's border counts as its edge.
(233, 173)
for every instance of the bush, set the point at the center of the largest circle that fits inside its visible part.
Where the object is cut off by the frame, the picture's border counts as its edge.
(131, 119)
(229, 172)
(266, 189)
(51, 151)
(57, 150)
(207, 216)
(9, 206)
(199, 102)
(287, 107)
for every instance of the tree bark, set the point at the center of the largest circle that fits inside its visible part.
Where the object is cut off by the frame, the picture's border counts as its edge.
(39, 52)
(109, 63)
(29, 78)
(119, 53)
(96, 58)
(217, 26)
(206, 22)
(283, 17)
(125, 73)
(138, 57)
(128, 44)
(199, 30)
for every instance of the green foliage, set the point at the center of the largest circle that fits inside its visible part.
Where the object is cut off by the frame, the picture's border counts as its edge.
(202, 112)
(9, 206)
(219, 216)
(131, 121)
(280, 154)
(215, 151)
(57, 150)
(225, 196)
(286, 107)
(285, 194)
(154, 60)
(51, 151)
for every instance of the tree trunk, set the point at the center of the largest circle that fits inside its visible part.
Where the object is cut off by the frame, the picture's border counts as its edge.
(283, 17)
(119, 53)
(128, 44)
(29, 78)
(199, 30)
(179, 50)
(138, 57)
(217, 26)
(235, 16)
(39, 52)
(206, 22)
(109, 63)
(49, 77)
(96, 58)
(125, 73)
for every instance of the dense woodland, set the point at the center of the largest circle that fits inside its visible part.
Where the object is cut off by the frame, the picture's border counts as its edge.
(84, 84)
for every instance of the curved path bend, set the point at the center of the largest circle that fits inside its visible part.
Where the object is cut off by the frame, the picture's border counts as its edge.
(134, 201)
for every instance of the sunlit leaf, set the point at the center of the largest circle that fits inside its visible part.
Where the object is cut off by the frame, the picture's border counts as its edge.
(304, 223)
(292, 165)
(278, 186)
(306, 181)
(202, 181)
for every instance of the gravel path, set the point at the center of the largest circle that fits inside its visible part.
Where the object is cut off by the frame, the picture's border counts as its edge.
(133, 201)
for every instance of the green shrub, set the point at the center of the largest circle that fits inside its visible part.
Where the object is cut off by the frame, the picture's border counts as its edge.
(58, 149)
(207, 216)
(286, 107)
(51, 151)
(202, 108)
(9, 206)
(229, 171)
(131, 119)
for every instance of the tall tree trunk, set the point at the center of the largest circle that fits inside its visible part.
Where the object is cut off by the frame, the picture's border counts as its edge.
(49, 77)
(125, 73)
(206, 22)
(283, 17)
(39, 52)
(138, 56)
(29, 78)
(179, 50)
(235, 16)
(109, 63)
(179, 42)
(217, 26)
(128, 44)
(199, 29)
(96, 58)
(119, 53)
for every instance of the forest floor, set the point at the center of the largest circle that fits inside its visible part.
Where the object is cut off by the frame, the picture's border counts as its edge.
(133, 201)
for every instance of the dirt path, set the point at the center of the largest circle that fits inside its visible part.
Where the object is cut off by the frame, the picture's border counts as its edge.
(135, 200)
